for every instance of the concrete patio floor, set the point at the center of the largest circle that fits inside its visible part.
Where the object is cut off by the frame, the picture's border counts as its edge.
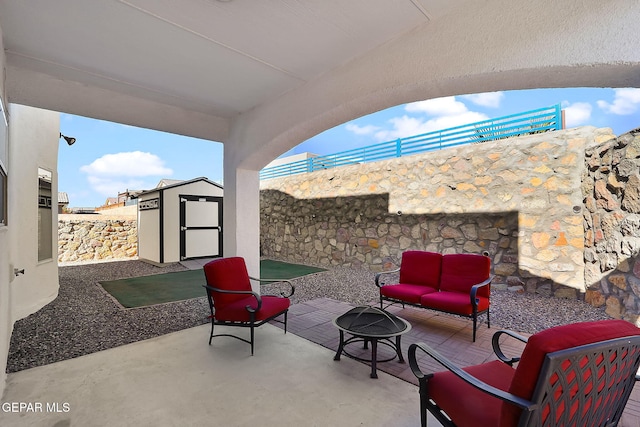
(292, 380)
(178, 380)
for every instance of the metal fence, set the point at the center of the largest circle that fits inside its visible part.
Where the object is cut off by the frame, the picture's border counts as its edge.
(529, 122)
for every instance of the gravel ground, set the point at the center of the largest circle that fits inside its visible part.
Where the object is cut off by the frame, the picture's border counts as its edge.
(84, 319)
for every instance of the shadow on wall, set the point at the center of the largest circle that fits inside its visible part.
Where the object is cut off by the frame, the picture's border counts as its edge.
(359, 231)
(611, 189)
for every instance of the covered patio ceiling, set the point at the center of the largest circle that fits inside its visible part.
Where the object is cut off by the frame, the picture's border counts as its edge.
(263, 76)
(188, 67)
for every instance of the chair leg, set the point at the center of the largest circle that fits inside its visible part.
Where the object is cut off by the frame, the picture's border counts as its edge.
(488, 320)
(285, 321)
(423, 403)
(252, 336)
(475, 323)
(211, 336)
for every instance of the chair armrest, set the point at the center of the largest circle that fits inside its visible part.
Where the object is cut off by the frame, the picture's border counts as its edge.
(289, 282)
(495, 342)
(248, 307)
(378, 275)
(463, 375)
(474, 290)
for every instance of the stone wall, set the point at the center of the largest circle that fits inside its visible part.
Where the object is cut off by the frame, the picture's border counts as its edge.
(518, 199)
(96, 238)
(612, 226)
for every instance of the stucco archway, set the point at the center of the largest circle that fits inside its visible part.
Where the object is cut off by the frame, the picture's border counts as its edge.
(499, 48)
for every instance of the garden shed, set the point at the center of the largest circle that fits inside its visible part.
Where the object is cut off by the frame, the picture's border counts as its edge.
(179, 221)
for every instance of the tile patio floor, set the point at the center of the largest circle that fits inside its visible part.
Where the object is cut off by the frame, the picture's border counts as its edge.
(449, 335)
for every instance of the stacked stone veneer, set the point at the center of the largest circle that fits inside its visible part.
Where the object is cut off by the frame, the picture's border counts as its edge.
(518, 199)
(89, 238)
(612, 226)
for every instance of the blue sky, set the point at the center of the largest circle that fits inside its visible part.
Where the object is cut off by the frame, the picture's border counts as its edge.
(109, 158)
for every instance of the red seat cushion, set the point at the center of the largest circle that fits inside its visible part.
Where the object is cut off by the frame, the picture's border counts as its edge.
(465, 404)
(236, 311)
(405, 292)
(461, 271)
(420, 268)
(454, 302)
(555, 339)
(228, 274)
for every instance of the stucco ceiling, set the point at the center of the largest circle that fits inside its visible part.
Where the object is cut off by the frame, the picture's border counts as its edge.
(210, 57)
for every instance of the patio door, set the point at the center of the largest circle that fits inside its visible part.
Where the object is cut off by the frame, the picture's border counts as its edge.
(200, 226)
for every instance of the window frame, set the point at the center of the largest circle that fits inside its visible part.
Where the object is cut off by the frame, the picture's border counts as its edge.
(4, 154)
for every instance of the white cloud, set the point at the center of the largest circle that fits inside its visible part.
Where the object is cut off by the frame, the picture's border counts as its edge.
(361, 130)
(135, 163)
(408, 126)
(576, 114)
(114, 173)
(445, 113)
(437, 107)
(487, 99)
(625, 102)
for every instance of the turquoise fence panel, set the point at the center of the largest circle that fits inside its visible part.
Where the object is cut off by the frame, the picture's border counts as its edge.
(526, 123)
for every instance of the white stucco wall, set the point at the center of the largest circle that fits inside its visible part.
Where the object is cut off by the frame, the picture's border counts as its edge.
(5, 307)
(33, 143)
(36, 131)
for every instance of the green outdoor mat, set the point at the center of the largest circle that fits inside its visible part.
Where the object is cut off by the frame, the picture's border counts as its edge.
(157, 289)
(270, 269)
(182, 285)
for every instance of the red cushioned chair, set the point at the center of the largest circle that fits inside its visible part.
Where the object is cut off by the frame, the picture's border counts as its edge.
(573, 375)
(233, 302)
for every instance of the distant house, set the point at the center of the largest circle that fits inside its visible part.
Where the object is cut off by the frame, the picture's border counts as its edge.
(111, 201)
(129, 197)
(167, 182)
(291, 159)
(63, 202)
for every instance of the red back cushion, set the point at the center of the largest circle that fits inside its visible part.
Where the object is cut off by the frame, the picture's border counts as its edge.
(229, 274)
(555, 339)
(461, 271)
(420, 268)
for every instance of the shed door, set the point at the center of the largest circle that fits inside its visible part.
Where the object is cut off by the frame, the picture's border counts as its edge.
(200, 226)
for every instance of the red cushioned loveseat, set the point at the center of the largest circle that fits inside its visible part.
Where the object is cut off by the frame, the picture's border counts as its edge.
(452, 283)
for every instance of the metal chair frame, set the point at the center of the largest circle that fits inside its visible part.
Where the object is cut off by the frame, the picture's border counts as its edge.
(621, 354)
(251, 324)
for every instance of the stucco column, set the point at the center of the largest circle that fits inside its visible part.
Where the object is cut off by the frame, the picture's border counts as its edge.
(241, 214)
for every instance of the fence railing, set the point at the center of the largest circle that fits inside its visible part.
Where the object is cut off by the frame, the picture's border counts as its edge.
(528, 122)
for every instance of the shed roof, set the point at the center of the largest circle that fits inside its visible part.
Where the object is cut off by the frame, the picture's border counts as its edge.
(178, 183)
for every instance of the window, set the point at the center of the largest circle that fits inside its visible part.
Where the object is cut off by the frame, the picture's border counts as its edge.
(3, 163)
(45, 216)
(3, 197)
